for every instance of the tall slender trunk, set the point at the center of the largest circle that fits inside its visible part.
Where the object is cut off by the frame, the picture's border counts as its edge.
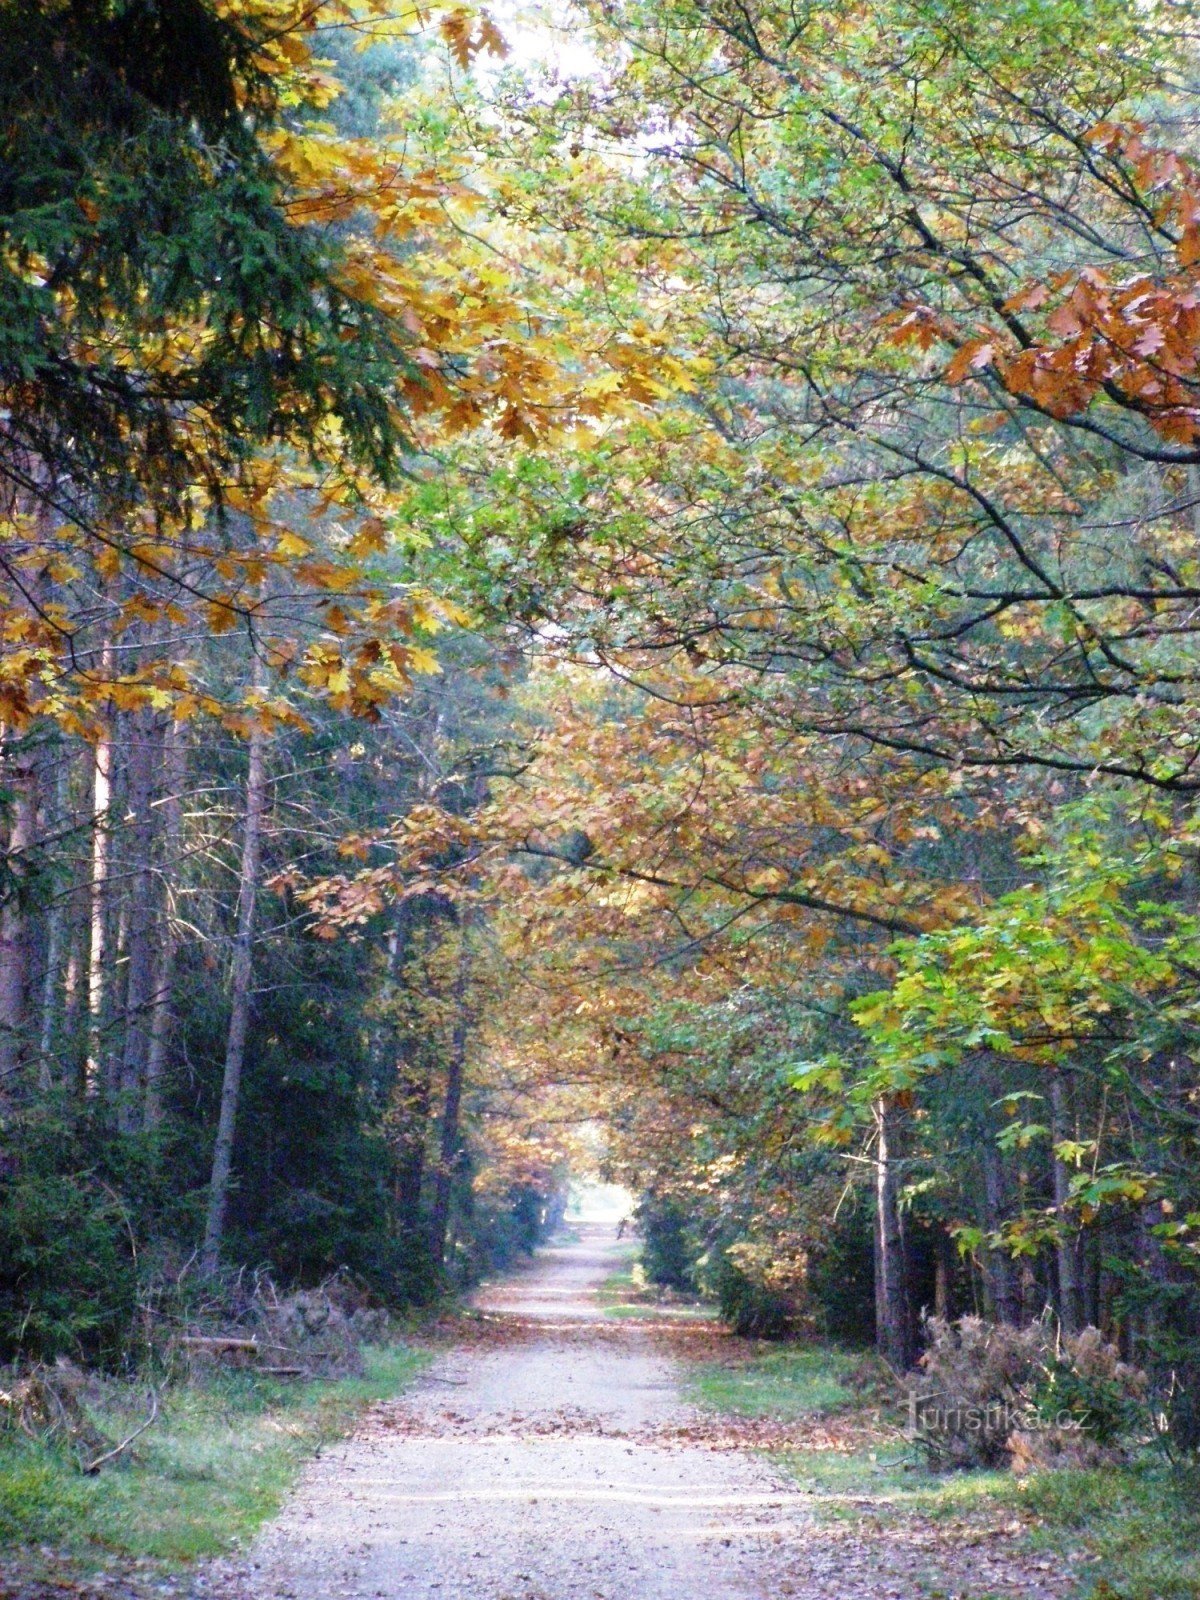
(409, 1089)
(239, 1008)
(893, 1319)
(1000, 1278)
(943, 1274)
(56, 931)
(20, 777)
(1033, 1293)
(413, 1094)
(139, 936)
(1151, 1257)
(98, 974)
(74, 996)
(174, 770)
(1067, 1254)
(448, 1153)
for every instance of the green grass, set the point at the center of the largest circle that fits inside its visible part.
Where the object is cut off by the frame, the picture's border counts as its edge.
(787, 1381)
(217, 1463)
(1129, 1532)
(628, 1295)
(621, 1286)
(1139, 1526)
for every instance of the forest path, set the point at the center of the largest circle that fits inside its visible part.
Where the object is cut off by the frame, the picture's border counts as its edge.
(549, 1455)
(523, 1466)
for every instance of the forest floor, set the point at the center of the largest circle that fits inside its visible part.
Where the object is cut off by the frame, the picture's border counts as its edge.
(560, 1448)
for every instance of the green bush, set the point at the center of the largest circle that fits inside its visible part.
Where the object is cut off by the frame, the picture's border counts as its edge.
(68, 1278)
(1102, 1404)
(841, 1278)
(668, 1248)
(751, 1309)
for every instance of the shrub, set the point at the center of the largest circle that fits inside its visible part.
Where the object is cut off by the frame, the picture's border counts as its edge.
(752, 1308)
(841, 1278)
(1178, 1407)
(668, 1249)
(989, 1393)
(68, 1280)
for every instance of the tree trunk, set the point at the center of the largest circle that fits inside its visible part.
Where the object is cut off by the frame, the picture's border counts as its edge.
(1000, 1279)
(408, 1100)
(140, 927)
(98, 975)
(1033, 1293)
(412, 1105)
(943, 1275)
(20, 777)
(74, 995)
(448, 1153)
(239, 1013)
(174, 771)
(1067, 1254)
(893, 1320)
(56, 930)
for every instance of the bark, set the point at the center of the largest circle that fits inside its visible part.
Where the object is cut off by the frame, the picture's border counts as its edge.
(20, 779)
(416, 1061)
(239, 1012)
(1067, 1253)
(1152, 1259)
(56, 933)
(74, 987)
(413, 1098)
(448, 1153)
(1033, 1293)
(174, 768)
(1094, 1300)
(98, 974)
(409, 1096)
(893, 1320)
(1000, 1278)
(139, 947)
(943, 1275)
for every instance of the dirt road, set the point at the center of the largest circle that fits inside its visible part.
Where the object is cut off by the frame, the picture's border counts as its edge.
(510, 1473)
(551, 1457)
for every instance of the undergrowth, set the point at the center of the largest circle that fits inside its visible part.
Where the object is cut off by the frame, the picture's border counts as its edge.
(628, 1295)
(215, 1465)
(1128, 1532)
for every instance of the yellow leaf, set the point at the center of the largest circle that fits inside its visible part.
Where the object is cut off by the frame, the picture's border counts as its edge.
(291, 545)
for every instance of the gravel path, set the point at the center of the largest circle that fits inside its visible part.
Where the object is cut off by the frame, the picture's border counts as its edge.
(550, 1456)
(510, 1473)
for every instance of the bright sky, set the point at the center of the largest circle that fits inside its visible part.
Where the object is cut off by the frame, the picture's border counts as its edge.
(552, 36)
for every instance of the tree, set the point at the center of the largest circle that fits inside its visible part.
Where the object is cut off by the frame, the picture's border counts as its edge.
(889, 560)
(878, 502)
(240, 993)
(296, 320)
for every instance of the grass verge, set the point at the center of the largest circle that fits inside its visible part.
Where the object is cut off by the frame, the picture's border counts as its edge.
(627, 1295)
(216, 1464)
(783, 1381)
(1125, 1533)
